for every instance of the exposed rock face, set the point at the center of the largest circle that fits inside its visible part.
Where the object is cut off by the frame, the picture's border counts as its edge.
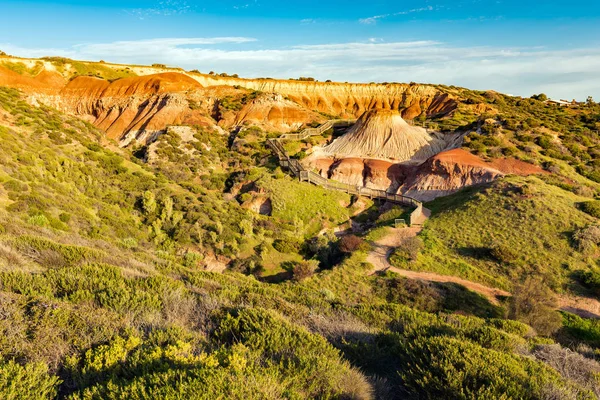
(383, 134)
(260, 204)
(131, 108)
(275, 113)
(442, 174)
(46, 82)
(446, 173)
(383, 175)
(375, 174)
(348, 170)
(348, 100)
(141, 106)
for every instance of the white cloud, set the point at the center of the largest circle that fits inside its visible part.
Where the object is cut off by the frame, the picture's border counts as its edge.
(373, 20)
(160, 8)
(521, 71)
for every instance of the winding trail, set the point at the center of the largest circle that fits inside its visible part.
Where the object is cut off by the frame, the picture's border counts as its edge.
(383, 248)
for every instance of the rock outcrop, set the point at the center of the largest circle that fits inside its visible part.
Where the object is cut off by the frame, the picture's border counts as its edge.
(446, 173)
(348, 100)
(383, 134)
(46, 82)
(130, 108)
(442, 174)
(273, 112)
(141, 106)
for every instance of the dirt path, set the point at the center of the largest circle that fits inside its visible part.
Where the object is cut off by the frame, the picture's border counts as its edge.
(383, 248)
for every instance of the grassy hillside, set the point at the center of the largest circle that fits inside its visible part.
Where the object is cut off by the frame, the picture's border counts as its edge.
(563, 140)
(104, 292)
(71, 68)
(510, 229)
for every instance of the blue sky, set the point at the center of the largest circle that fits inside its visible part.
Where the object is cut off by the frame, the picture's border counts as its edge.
(518, 47)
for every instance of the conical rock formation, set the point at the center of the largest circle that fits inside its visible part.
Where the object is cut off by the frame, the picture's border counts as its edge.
(383, 134)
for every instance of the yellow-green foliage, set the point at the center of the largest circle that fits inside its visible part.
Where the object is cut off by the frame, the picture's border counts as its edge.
(102, 285)
(516, 226)
(531, 130)
(22, 69)
(75, 68)
(31, 381)
(256, 354)
(446, 367)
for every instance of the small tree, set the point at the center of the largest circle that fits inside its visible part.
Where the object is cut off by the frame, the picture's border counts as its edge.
(587, 239)
(351, 243)
(535, 304)
(304, 269)
(408, 250)
(590, 101)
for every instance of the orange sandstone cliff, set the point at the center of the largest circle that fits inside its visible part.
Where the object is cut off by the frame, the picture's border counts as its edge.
(142, 106)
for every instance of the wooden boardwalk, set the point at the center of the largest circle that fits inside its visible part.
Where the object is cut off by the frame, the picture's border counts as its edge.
(417, 217)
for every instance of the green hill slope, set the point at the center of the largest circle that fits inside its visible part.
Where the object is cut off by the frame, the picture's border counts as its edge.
(103, 292)
(514, 227)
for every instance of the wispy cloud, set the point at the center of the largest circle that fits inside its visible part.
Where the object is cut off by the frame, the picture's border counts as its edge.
(373, 20)
(560, 73)
(160, 8)
(155, 45)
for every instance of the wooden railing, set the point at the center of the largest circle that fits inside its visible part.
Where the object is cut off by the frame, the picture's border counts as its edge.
(297, 170)
(316, 179)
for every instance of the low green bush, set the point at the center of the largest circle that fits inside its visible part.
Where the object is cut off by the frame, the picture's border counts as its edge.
(31, 381)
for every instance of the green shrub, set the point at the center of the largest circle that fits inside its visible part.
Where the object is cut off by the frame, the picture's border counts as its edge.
(408, 250)
(191, 259)
(65, 217)
(15, 186)
(441, 367)
(288, 244)
(31, 381)
(590, 279)
(71, 254)
(503, 253)
(582, 329)
(534, 304)
(129, 243)
(587, 239)
(39, 220)
(303, 270)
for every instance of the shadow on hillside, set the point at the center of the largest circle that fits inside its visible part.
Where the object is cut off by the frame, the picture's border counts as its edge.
(457, 298)
(278, 278)
(476, 252)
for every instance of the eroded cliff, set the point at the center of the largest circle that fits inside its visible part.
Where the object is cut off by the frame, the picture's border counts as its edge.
(139, 106)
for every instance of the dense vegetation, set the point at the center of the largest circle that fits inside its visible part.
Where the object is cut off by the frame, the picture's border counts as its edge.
(564, 140)
(105, 290)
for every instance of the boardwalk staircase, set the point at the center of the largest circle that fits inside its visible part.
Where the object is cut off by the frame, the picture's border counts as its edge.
(418, 216)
